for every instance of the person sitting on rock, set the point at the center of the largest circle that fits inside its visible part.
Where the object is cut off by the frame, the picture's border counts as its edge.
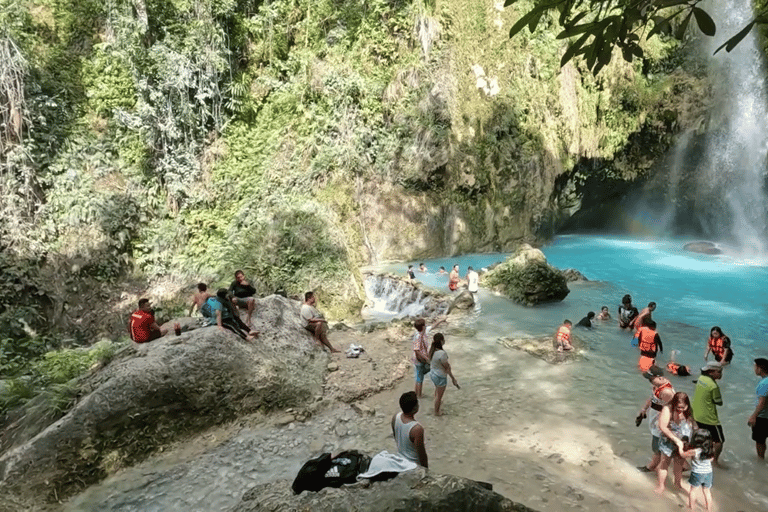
(142, 326)
(314, 322)
(563, 336)
(243, 293)
(199, 298)
(408, 433)
(220, 311)
(587, 320)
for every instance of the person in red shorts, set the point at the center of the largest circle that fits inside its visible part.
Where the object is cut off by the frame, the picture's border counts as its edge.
(142, 326)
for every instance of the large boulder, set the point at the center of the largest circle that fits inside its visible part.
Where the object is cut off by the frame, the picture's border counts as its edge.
(463, 301)
(418, 489)
(154, 393)
(527, 278)
(703, 247)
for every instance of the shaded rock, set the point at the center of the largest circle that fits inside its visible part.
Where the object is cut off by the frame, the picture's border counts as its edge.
(463, 301)
(703, 247)
(544, 347)
(151, 394)
(572, 275)
(527, 278)
(413, 490)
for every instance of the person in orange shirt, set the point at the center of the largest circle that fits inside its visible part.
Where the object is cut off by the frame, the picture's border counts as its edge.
(649, 343)
(563, 336)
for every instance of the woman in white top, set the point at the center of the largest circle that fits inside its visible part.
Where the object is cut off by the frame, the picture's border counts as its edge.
(440, 369)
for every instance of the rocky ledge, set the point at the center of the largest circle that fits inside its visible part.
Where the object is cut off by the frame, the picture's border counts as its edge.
(418, 489)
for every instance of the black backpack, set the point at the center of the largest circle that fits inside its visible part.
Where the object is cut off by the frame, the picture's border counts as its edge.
(323, 471)
(311, 476)
(345, 467)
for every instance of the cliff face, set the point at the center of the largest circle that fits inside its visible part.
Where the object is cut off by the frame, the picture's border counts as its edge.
(299, 139)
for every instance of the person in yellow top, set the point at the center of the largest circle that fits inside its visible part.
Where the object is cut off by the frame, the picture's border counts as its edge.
(563, 336)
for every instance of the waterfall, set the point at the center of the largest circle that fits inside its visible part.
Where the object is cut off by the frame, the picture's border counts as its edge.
(394, 297)
(726, 194)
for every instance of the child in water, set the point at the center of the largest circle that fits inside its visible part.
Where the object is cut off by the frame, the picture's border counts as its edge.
(700, 453)
(604, 314)
(563, 337)
(675, 368)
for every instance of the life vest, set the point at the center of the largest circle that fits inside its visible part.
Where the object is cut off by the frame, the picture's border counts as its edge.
(564, 335)
(647, 341)
(716, 344)
(656, 401)
(677, 369)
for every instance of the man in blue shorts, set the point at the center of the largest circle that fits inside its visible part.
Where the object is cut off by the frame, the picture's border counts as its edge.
(759, 419)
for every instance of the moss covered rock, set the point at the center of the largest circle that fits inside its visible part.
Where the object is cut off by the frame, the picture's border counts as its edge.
(527, 278)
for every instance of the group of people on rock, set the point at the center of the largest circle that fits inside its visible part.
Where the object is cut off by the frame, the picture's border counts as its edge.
(223, 310)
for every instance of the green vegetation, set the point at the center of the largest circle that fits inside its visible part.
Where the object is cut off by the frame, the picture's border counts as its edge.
(50, 376)
(190, 138)
(529, 284)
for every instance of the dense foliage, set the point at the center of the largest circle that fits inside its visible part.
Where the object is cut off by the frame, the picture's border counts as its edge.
(191, 138)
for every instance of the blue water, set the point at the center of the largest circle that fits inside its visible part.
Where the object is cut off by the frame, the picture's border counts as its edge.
(693, 292)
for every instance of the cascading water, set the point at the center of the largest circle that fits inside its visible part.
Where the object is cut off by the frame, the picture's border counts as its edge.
(390, 297)
(722, 196)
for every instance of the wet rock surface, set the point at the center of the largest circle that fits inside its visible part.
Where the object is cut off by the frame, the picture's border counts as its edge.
(572, 275)
(703, 248)
(544, 348)
(418, 489)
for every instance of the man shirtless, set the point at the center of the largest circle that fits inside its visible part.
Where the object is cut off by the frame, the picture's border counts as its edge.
(199, 298)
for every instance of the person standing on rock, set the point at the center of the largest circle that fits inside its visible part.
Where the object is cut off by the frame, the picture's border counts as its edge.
(759, 419)
(661, 394)
(408, 433)
(706, 398)
(421, 351)
(243, 293)
(314, 322)
(473, 280)
(410, 273)
(454, 279)
(440, 370)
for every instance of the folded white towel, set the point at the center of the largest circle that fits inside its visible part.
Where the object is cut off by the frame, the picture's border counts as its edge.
(386, 462)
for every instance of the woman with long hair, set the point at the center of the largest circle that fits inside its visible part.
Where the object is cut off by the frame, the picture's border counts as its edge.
(720, 346)
(440, 369)
(676, 425)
